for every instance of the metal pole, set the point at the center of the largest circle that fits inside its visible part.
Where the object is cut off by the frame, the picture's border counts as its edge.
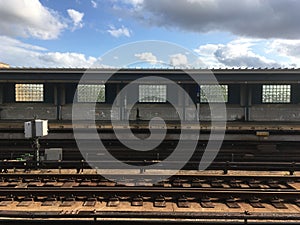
(36, 144)
(36, 147)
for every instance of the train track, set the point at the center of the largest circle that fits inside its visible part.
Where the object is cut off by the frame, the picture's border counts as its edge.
(157, 194)
(187, 180)
(81, 165)
(182, 197)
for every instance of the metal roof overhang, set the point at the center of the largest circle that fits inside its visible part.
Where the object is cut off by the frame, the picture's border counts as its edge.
(233, 76)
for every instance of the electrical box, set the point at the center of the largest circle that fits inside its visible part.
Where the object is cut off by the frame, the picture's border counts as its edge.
(41, 128)
(28, 129)
(53, 154)
(36, 128)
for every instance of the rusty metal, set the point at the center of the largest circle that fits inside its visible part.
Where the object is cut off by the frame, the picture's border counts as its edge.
(217, 183)
(278, 203)
(160, 201)
(206, 203)
(137, 201)
(234, 183)
(255, 202)
(15, 178)
(90, 202)
(194, 216)
(113, 201)
(273, 184)
(217, 165)
(232, 203)
(183, 202)
(256, 184)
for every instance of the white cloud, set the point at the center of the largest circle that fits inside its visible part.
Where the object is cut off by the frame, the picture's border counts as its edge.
(94, 4)
(237, 53)
(76, 18)
(134, 2)
(11, 42)
(67, 59)
(179, 60)
(17, 53)
(282, 47)
(251, 18)
(118, 32)
(206, 53)
(27, 18)
(147, 57)
(289, 50)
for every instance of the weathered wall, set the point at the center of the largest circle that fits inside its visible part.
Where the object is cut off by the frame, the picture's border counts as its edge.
(234, 112)
(27, 111)
(101, 112)
(274, 112)
(165, 111)
(261, 112)
(149, 111)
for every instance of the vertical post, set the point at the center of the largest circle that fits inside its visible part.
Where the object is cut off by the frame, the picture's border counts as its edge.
(246, 101)
(138, 114)
(125, 106)
(36, 152)
(249, 101)
(182, 101)
(1, 93)
(119, 102)
(1, 96)
(198, 102)
(61, 99)
(56, 100)
(36, 144)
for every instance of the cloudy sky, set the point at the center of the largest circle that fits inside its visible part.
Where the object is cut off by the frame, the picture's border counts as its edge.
(220, 33)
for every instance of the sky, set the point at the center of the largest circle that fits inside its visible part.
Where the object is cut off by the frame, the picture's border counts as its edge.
(218, 33)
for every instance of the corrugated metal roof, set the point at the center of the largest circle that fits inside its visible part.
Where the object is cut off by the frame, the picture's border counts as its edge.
(145, 69)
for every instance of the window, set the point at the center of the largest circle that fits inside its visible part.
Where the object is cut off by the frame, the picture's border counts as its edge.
(152, 93)
(90, 93)
(213, 93)
(29, 92)
(276, 94)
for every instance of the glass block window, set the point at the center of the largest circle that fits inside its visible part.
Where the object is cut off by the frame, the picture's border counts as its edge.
(90, 92)
(215, 94)
(29, 92)
(276, 94)
(152, 93)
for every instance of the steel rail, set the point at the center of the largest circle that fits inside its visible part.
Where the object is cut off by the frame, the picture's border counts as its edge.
(136, 214)
(149, 176)
(150, 192)
(74, 164)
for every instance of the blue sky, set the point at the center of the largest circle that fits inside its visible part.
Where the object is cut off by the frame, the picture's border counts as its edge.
(221, 33)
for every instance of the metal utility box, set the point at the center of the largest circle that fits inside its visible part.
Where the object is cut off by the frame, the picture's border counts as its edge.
(53, 154)
(28, 129)
(41, 128)
(36, 128)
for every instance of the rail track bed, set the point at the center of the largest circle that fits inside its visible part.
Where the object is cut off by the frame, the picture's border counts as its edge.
(181, 198)
(118, 180)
